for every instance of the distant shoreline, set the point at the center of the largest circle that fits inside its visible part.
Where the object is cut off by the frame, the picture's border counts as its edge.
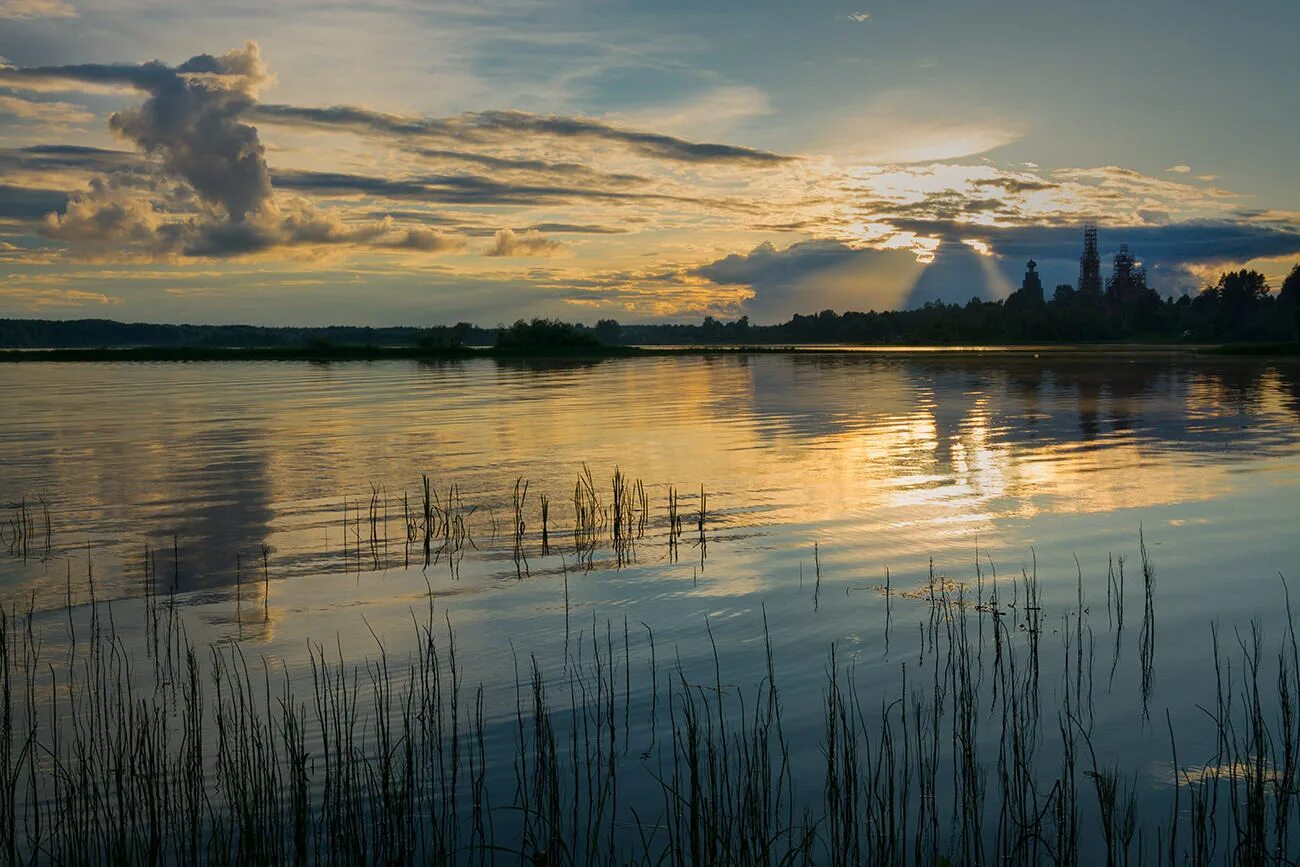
(387, 353)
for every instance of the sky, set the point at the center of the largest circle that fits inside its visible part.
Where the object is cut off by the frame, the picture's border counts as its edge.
(391, 162)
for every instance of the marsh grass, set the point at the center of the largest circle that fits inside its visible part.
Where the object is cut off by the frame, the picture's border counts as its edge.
(122, 749)
(28, 530)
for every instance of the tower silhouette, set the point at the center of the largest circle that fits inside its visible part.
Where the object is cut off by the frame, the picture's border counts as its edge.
(1090, 265)
(1128, 280)
(1032, 286)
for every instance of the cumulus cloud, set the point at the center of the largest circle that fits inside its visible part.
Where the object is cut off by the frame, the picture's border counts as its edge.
(124, 220)
(424, 240)
(529, 242)
(104, 216)
(18, 9)
(191, 118)
(192, 122)
(298, 224)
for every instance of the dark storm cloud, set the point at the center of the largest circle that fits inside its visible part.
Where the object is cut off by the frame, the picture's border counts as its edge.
(767, 265)
(813, 275)
(29, 203)
(1197, 242)
(191, 118)
(494, 126)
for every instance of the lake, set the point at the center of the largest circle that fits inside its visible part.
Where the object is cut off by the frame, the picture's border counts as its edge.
(960, 543)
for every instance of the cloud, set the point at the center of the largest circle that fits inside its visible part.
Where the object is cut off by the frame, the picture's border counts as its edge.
(529, 242)
(48, 157)
(955, 275)
(1173, 253)
(200, 185)
(859, 17)
(123, 220)
(192, 121)
(910, 125)
(54, 113)
(487, 127)
(190, 118)
(297, 225)
(29, 203)
(646, 143)
(425, 240)
(1016, 186)
(19, 9)
(1208, 241)
(577, 228)
(815, 275)
(455, 189)
(664, 293)
(533, 166)
(713, 111)
(30, 299)
(103, 216)
(1180, 169)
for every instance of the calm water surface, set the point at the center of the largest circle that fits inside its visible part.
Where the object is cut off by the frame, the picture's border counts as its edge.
(823, 475)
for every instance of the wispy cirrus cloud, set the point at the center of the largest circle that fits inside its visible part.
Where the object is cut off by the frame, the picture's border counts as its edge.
(486, 127)
(912, 125)
(43, 299)
(48, 113)
(20, 9)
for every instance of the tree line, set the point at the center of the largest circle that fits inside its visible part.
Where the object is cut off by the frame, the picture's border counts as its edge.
(1239, 307)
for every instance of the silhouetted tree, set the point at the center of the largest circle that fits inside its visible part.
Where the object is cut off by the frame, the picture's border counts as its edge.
(1290, 291)
(1289, 298)
(544, 334)
(609, 331)
(1236, 296)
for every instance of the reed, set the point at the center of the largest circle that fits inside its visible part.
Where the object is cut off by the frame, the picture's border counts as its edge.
(985, 751)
